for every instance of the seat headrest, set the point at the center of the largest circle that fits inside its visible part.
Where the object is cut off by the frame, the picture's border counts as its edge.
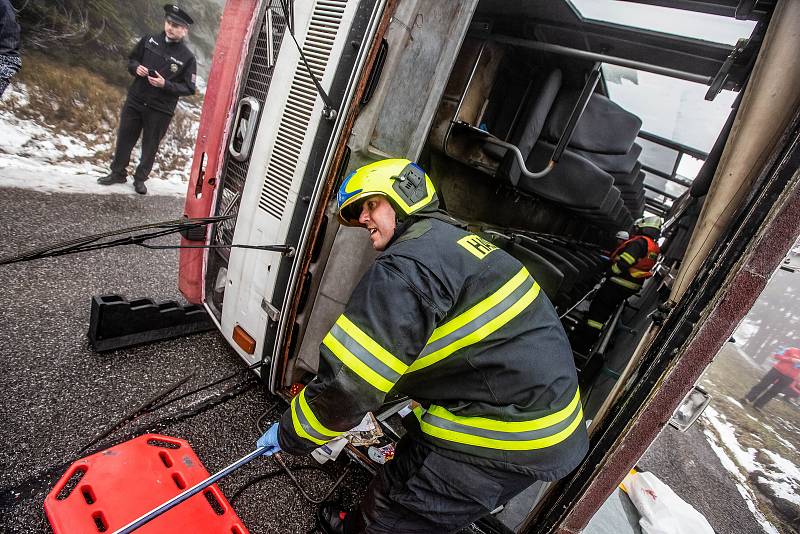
(604, 126)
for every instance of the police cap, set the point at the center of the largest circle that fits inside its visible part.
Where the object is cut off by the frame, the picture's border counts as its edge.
(177, 15)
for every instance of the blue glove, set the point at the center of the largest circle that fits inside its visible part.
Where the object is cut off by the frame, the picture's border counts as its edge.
(270, 440)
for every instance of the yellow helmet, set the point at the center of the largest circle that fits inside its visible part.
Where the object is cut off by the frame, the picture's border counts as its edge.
(649, 222)
(402, 182)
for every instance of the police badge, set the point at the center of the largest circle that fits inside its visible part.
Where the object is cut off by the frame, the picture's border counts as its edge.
(173, 67)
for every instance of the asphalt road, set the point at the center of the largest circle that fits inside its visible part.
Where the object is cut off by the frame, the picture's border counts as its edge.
(688, 465)
(58, 394)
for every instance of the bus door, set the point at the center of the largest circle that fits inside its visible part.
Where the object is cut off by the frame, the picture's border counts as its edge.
(277, 117)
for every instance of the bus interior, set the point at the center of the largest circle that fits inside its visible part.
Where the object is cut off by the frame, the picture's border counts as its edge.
(519, 88)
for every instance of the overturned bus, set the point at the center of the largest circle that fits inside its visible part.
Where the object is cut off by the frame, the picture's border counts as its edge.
(548, 127)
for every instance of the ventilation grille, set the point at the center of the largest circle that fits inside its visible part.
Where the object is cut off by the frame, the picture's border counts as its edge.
(325, 21)
(256, 85)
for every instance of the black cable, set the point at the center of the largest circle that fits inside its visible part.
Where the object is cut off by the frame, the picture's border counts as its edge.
(283, 249)
(279, 460)
(144, 407)
(90, 243)
(86, 243)
(206, 386)
(197, 408)
(48, 475)
(277, 457)
(325, 98)
(259, 422)
(272, 474)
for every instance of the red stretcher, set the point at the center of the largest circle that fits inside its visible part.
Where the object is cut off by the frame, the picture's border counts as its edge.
(107, 490)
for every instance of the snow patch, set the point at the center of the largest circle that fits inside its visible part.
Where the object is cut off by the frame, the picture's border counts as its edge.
(779, 438)
(727, 434)
(28, 173)
(782, 476)
(740, 481)
(34, 156)
(734, 402)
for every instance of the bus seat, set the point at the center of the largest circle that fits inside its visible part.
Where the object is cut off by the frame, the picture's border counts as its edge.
(627, 179)
(615, 217)
(635, 203)
(574, 182)
(584, 188)
(571, 272)
(545, 273)
(605, 127)
(529, 127)
(548, 276)
(608, 209)
(613, 163)
(581, 268)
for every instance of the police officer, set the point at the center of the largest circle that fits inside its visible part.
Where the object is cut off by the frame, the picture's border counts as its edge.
(457, 324)
(632, 263)
(163, 69)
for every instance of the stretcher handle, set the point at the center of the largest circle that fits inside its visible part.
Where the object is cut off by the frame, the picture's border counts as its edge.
(197, 488)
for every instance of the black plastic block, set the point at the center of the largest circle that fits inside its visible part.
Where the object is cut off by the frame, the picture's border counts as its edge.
(116, 323)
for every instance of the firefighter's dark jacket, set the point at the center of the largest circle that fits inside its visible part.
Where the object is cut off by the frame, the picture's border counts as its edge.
(460, 326)
(174, 61)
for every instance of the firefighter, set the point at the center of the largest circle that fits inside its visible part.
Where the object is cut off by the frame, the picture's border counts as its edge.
(779, 379)
(631, 264)
(448, 319)
(164, 69)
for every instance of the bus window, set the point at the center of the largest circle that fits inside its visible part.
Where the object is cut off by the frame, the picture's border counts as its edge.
(739, 463)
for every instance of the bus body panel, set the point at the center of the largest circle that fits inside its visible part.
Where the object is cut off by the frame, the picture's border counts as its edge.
(230, 51)
(281, 150)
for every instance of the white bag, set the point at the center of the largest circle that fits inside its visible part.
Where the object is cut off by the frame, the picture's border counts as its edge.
(662, 511)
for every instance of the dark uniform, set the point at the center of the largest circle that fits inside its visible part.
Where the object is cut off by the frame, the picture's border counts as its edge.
(445, 317)
(148, 110)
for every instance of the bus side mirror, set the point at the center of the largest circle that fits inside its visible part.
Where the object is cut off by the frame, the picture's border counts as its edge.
(690, 409)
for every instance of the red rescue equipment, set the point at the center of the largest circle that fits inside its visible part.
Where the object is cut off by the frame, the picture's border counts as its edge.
(107, 490)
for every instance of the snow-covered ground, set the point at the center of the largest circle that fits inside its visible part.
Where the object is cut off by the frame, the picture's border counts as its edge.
(34, 156)
(778, 473)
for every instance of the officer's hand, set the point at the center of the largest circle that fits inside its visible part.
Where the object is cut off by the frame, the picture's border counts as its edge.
(141, 70)
(270, 440)
(157, 80)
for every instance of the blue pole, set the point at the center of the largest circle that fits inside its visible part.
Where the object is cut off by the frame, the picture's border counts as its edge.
(197, 488)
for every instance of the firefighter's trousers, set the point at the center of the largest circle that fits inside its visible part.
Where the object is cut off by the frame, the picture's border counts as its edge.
(769, 386)
(423, 491)
(603, 306)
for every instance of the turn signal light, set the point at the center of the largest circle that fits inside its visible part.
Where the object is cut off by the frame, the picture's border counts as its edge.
(244, 340)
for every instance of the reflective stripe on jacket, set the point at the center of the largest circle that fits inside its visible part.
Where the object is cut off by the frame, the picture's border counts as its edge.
(445, 317)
